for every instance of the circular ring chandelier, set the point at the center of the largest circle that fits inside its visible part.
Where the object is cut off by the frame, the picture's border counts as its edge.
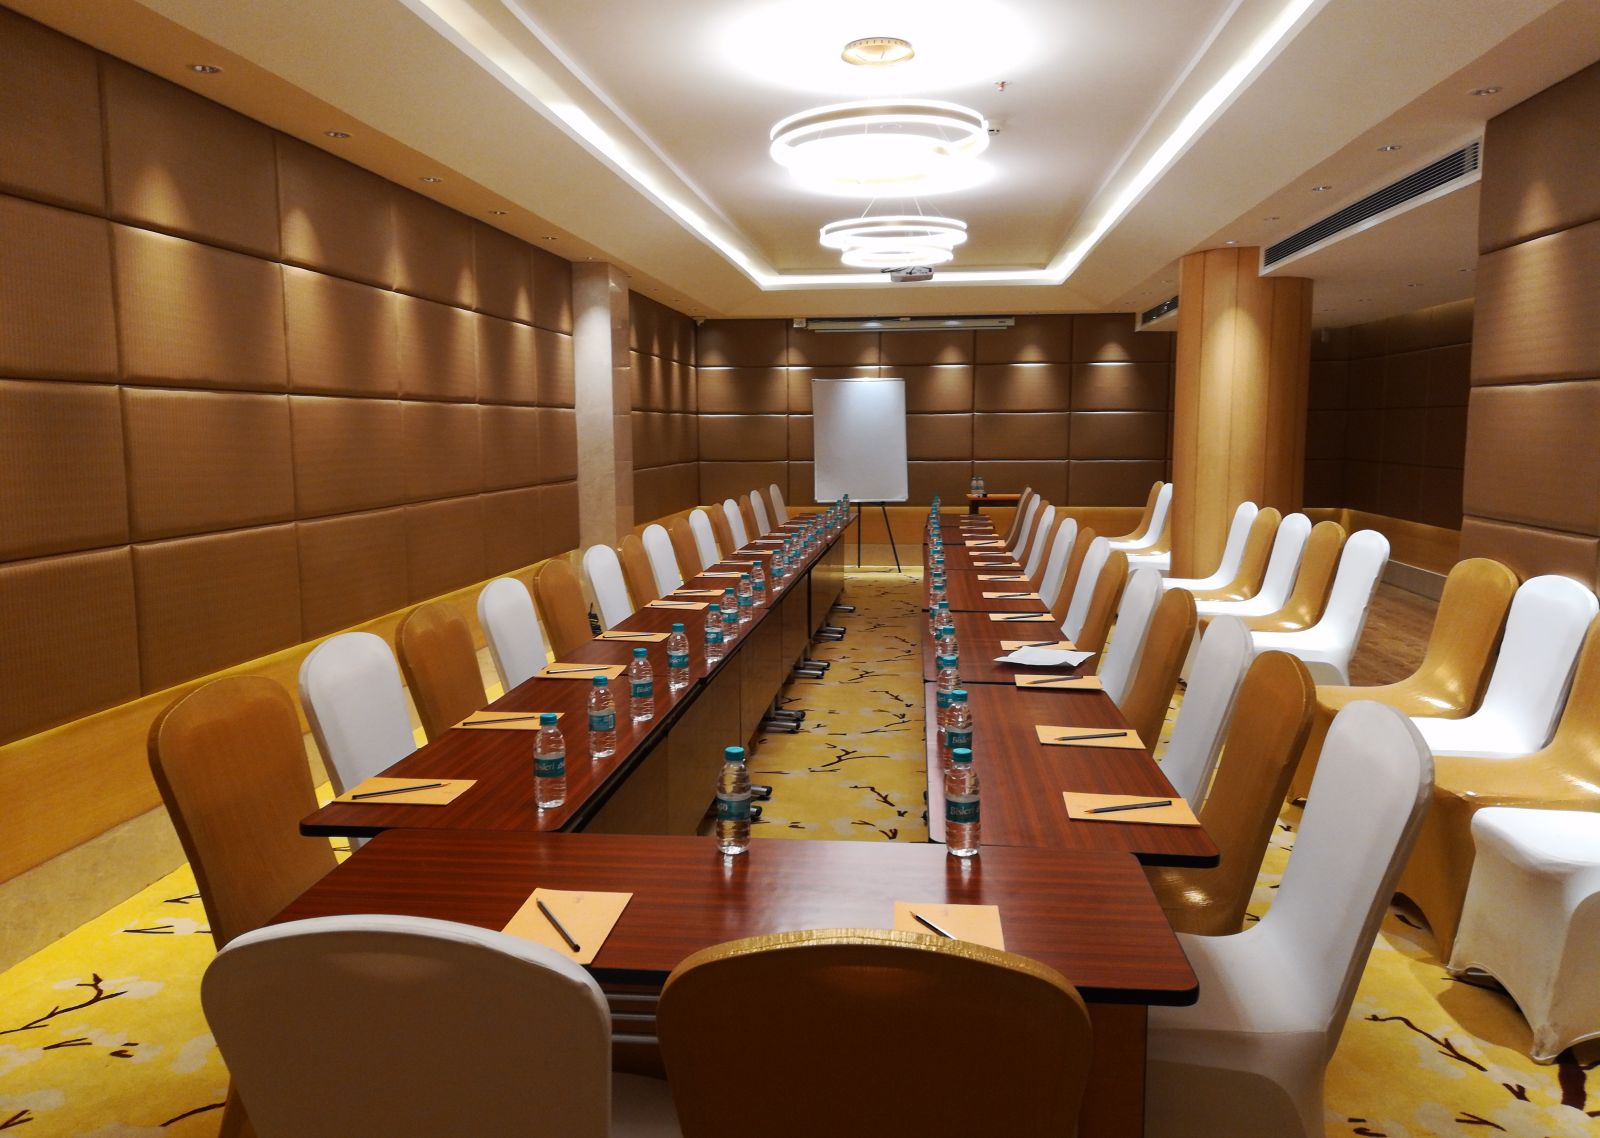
(894, 241)
(870, 149)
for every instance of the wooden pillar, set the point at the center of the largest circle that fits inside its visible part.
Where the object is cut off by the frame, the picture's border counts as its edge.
(1239, 416)
(604, 402)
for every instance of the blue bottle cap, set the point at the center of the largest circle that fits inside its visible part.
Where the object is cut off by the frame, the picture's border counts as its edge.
(677, 627)
(733, 754)
(547, 719)
(601, 681)
(639, 653)
(961, 755)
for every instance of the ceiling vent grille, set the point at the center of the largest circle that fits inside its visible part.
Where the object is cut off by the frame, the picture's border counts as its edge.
(904, 323)
(1448, 173)
(1161, 311)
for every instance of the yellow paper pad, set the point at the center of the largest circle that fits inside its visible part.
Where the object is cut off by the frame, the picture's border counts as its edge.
(452, 789)
(693, 593)
(1079, 805)
(1020, 617)
(502, 721)
(1061, 683)
(1001, 577)
(635, 637)
(976, 924)
(986, 544)
(694, 606)
(736, 576)
(587, 917)
(561, 670)
(1058, 645)
(1129, 741)
(1017, 596)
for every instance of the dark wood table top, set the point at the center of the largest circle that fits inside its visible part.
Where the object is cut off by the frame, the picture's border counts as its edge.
(975, 501)
(978, 639)
(1089, 915)
(965, 593)
(1022, 779)
(960, 559)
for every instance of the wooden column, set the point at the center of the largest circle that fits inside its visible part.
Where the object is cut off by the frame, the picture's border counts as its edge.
(1239, 417)
(604, 399)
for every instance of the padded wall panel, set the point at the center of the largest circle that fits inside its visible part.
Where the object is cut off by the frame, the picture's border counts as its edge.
(1449, 376)
(443, 449)
(685, 438)
(183, 164)
(935, 437)
(68, 627)
(335, 217)
(742, 343)
(832, 349)
(207, 602)
(201, 461)
(1325, 432)
(681, 386)
(802, 437)
(558, 518)
(1119, 435)
(553, 362)
(444, 545)
(1400, 433)
(1549, 142)
(1022, 387)
(647, 381)
(742, 390)
(802, 484)
(1439, 497)
(719, 480)
(1531, 551)
(349, 454)
(900, 348)
(352, 568)
(1536, 306)
(937, 388)
(1330, 381)
(512, 521)
(1034, 339)
(1325, 485)
(999, 436)
(558, 444)
(1364, 435)
(507, 361)
(438, 350)
(1048, 478)
(510, 446)
(665, 490)
(650, 441)
(949, 480)
(1113, 336)
(552, 291)
(61, 450)
(1363, 486)
(433, 250)
(343, 337)
(750, 438)
(799, 383)
(504, 284)
(192, 315)
(1400, 491)
(55, 294)
(1444, 436)
(50, 112)
(1121, 386)
(1112, 483)
(1532, 456)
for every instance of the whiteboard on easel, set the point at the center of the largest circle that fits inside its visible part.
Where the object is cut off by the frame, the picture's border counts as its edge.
(860, 432)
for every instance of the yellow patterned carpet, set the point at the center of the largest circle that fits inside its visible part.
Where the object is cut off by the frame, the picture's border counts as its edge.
(101, 1034)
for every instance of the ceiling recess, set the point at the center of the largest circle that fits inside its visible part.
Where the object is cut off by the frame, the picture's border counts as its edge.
(905, 323)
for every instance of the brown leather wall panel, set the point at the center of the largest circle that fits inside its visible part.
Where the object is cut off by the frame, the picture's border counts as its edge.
(1034, 339)
(802, 442)
(1531, 551)
(1364, 435)
(936, 437)
(196, 316)
(68, 627)
(1532, 456)
(719, 480)
(1112, 336)
(61, 449)
(558, 514)
(1325, 434)
(558, 444)
(185, 165)
(937, 388)
(1439, 497)
(200, 460)
(900, 348)
(444, 545)
(552, 353)
(1325, 485)
(665, 490)
(349, 454)
(1449, 376)
(55, 294)
(647, 378)
(1363, 486)
(949, 480)
(50, 112)
(681, 384)
(1444, 436)
(552, 291)
(1536, 306)
(685, 439)
(352, 568)
(1047, 478)
(1019, 436)
(1400, 434)
(343, 337)
(748, 438)
(438, 350)
(503, 282)
(207, 602)
(649, 444)
(512, 521)
(335, 217)
(510, 446)
(742, 343)
(1119, 435)
(832, 349)
(1548, 142)
(433, 250)
(443, 450)
(742, 390)
(1112, 483)
(801, 488)
(507, 362)
(1330, 381)
(1022, 387)
(800, 378)
(1121, 386)
(1400, 490)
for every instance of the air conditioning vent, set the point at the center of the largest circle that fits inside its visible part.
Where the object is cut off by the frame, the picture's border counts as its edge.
(1160, 312)
(1448, 173)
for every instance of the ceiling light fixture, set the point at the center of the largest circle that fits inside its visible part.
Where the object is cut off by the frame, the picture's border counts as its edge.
(210, 69)
(871, 149)
(337, 133)
(1320, 189)
(430, 179)
(1389, 148)
(1481, 91)
(877, 51)
(892, 241)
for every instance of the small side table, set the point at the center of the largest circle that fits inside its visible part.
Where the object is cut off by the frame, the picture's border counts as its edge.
(975, 501)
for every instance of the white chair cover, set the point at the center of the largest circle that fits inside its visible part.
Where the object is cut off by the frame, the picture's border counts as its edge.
(511, 626)
(404, 1026)
(610, 589)
(705, 538)
(1288, 547)
(780, 512)
(1026, 530)
(1041, 532)
(1055, 566)
(1532, 919)
(1094, 560)
(1544, 631)
(1158, 522)
(758, 510)
(1326, 647)
(1160, 562)
(663, 558)
(354, 699)
(1219, 668)
(1249, 1057)
(730, 510)
(1121, 659)
(1232, 553)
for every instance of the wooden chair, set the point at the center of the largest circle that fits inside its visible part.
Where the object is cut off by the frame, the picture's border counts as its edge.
(1454, 671)
(1270, 721)
(1024, 1050)
(1166, 646)
(1138, 532)
(684, 548)
(1103, 604)
(1016, 519)
(1069, 575)
(636, 571)
(723, 531)
(1253, 564)
(747, 516)
(434, 643)
(562, 607)
(231, 768)
(1306, 602)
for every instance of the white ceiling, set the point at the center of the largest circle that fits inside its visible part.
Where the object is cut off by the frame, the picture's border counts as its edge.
(635, 131)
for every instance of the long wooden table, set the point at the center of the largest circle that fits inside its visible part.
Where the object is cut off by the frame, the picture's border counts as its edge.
(978, 638)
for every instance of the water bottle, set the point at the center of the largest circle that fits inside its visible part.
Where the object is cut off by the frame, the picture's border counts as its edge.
(716, 648)
(730, 617)
(549, 764)
(946, 682)
(942, 619)
(936, 590)
(983, 491)
(602, 720)
(944, 644)
(733, 803)
(961, 804)
(958, 722)
(641, 687)
(758, 582)
(677, 659)
(972, 487)
(747, 599)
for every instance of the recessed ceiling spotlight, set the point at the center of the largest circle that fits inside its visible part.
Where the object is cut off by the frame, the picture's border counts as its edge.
(430, 179)
(497, 213)
(1389, 148)
(1274, 217)
(337, 133)
(549, 239)
(1230, 242)
(902, 148)
(1320, 189)
(1481, 91)
(877, 51)
(210, 69)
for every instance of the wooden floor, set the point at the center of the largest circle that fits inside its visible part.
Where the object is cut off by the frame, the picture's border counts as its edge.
(1395, 637)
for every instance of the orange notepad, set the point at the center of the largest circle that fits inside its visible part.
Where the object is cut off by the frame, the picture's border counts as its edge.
(563, 670)
(1126, 740)
(977, 924)
(452, 789)
(693, 593)
(1061, 683)
(986, 544)
(587, 916)
(502, 721)
(1001, 577)
(1079, 805)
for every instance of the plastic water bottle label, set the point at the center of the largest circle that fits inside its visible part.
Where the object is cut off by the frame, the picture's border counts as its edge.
(681, 659)
(945, 699)
(746, 599)
(960, 809)
(733, 808)
(602, 721)
(954, 739)
(713, 635)
(550, 766)
(643, 689)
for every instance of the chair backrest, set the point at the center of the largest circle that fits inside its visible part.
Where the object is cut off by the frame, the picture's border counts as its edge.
(1025, 1035)
(702, 524)
(746, 515)
(1575, 749)
(1361, 820)
(1043, 527)
(604, 570)
(1159, 663)
(637, 571)
(1158, 516)
(1288, 546)
(516, 642)
(231, 767)
(1361, 564)
(1016, 518)
(1055, 566)
(758, 510)
(1143, 525)
(461, 1031)
(780, 512)
(1307, 601)
(1096, 554)
(1472, 614)
(561, 604)
(1103, 601)
(1219, 666)
(1252, 562)
(1133, 621)
(659, 548)
(1244, 517)
(350, 689)
(1020, 546)
(684, 548)
(737, 531)
(440, 665)
(1544, 631)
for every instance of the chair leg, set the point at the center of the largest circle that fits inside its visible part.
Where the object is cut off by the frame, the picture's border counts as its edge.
(235, 1124)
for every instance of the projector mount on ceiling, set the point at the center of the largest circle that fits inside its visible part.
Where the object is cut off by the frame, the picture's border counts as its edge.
(909, 273)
